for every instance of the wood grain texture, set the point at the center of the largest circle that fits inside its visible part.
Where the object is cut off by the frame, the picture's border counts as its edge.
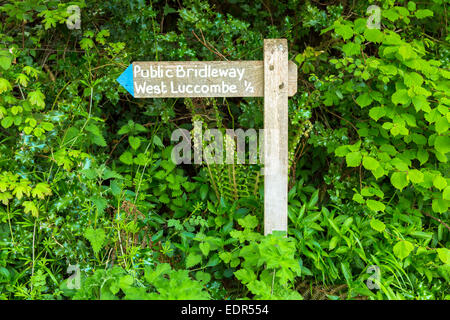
(275, 135)
(165, 84)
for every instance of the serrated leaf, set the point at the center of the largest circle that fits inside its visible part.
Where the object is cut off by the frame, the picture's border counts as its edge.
(96, 237)
(370, 163)
(444, 255)
(29, 206)
(37, 98)
(204, 248)
(423, 13)
(126, 158)
(364, 100)
(403, 248)
(41, 190)
(377, 225)
(415, 176)
(377, 113)
(398, 180)
(439, 182)
(353, 159)
(400, 97)
(442, 144)
(375, 205)
(193, 259)
(345, 31)
(135, 142)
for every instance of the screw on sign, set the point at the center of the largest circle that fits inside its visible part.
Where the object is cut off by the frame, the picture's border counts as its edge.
(274, 78)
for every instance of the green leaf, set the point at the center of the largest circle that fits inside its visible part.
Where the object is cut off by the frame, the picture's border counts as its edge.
(375, 205)
(96, 237)
(420, 103)
(446, 193)
(135, 142)
(423, 13)
(412, 79)
(370, 163)
(444, 255)
(377, 225)
(351, 49)
(353, 159)
(377, 113)
(193, 259)
(5, 59)
(7, 122)
(398, 180)
(401, 97)
(126, 158)
(415, 176)
(441, 125)
(440, 205)
(373, 35)
(411, 6)
(157, 141)
(364, 100)
(41, 190)
(345, 31)
(205, 247)
(442, 144)
(37, 98)
(439, 182)
(29, 206)
(390, 14)
(403, 248)
(4, 85)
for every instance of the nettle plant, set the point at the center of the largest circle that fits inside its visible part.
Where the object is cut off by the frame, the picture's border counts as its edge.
(387, 77)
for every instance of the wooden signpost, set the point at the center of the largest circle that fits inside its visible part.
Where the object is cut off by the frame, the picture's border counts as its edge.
(274, 78)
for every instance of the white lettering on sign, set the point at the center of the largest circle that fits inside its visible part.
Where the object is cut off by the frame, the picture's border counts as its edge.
(202, 79)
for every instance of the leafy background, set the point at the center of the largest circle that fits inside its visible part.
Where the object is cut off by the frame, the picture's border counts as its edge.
(86, 177)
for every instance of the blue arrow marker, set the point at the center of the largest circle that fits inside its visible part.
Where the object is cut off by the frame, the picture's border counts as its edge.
(126, 79)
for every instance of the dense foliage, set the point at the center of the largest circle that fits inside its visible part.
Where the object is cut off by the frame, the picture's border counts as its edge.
(86, 179)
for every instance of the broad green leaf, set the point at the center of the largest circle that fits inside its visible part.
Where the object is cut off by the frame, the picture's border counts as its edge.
(398, 180)
(364, 100)
(193, 259)
(439, 182)
(377, 225)
(373, 35)
(345, 31)
(4, 85)
(444, 255)
(403, 248)
(413, 79)
(135, 142)
(205, 247)
(377, 112)
(423, 13)
(440, 205)
(420, 103)
(370, 163)
(401, 97)
(441, 125)
(415, 176)
(375, 205)
(353, 159)
(351, 49)
(126, 158)
(442, 144)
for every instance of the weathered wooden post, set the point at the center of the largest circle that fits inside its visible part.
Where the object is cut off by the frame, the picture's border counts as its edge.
(275, 79)
(275, 134)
